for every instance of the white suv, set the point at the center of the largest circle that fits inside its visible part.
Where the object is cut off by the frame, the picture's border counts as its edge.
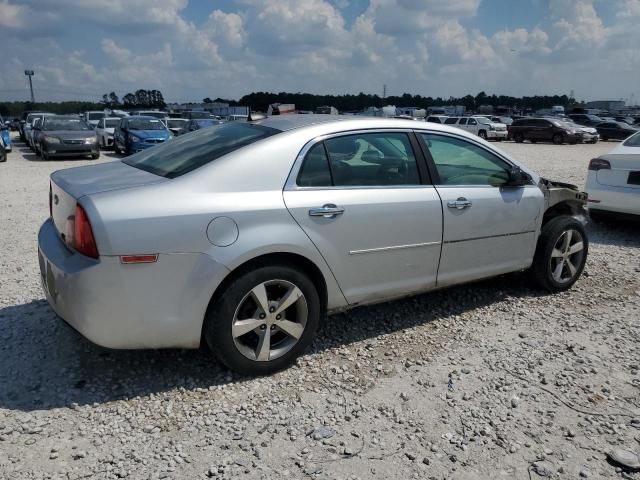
(482, 127)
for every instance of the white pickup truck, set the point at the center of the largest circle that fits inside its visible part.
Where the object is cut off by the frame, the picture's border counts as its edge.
(480, 126)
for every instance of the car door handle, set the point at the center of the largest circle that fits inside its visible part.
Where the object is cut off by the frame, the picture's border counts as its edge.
(460, 203)
(328, 210)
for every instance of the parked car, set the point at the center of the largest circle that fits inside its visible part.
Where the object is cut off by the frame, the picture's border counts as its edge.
(615, 130)
(3, 151)
(177, 126)
(104, 130)
(136, 133)
(191, 115)
(28, 126)
(613, 181)
(200, 123)
(589, 134)
(23, 122)
(482, 127)
(436, 118)
(93, 117)
(67, 136)
(153, 113)
(15, 125)
(585, 119)
(35, 135)
(5, 134)
(246, 234)
(544, 130)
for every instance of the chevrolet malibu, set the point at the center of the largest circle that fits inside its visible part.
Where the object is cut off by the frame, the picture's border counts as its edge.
(244, 235)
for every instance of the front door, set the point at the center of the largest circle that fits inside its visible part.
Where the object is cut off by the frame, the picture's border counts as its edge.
(363, 202)
(489, 228)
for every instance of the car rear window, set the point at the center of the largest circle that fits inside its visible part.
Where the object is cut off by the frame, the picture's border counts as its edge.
(188, 152)
(632, 141)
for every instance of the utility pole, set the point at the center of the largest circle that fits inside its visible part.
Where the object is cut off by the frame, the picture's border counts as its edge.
(384, 91)
(29, 73)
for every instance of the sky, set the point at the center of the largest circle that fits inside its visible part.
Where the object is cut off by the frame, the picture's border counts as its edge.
(191, 49)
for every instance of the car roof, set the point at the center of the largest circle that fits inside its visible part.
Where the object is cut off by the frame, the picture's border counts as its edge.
(292, 121)
(140, 117)
(63, 117)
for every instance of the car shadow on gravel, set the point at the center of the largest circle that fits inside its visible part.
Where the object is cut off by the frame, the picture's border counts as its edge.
(45, 364)
(615, 232)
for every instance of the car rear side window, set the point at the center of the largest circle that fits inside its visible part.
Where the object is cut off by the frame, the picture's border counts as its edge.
(368, 159)
(451, 120)
(186, 153)
(463, 121)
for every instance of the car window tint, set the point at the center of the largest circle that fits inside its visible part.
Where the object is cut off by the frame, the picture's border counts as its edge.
(315, 168)
(372, 159)
(472, 121)
(450, 120)
(463, 121)
(459, 162)
(186, 153)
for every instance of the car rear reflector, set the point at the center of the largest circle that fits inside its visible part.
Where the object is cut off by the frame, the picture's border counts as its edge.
(599, 164)
(128, 259)
(83, 240)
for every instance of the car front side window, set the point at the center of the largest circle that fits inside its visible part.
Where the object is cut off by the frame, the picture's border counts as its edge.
(459, 162)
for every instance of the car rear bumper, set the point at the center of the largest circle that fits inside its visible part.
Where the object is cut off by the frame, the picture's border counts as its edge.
(613, 199)
(155, 305)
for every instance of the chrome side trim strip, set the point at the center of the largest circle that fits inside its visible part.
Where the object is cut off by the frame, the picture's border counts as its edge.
(489, 236)
(393, 247)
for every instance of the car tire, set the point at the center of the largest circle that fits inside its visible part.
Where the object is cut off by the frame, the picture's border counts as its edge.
(95, 156)
(555, 268)
(482, 134)
(45, 154)
(533, 141)
(239, 350)
(557, 139)
(605, 139)
(116, 149)
(518, 137)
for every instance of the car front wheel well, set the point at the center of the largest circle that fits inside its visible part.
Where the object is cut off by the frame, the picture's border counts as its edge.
(570, 208)
(293, 260)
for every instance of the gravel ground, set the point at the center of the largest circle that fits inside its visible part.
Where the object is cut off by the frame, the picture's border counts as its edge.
(490, 380)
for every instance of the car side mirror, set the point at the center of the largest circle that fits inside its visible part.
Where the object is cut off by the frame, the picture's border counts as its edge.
(518, 177)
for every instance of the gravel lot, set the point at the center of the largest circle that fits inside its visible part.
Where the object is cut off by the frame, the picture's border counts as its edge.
(490, 380)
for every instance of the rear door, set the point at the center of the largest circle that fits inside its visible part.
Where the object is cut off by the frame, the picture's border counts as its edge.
(365, 201)
(489, 228)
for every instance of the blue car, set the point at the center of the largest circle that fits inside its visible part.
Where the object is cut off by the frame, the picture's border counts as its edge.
(137, 133)
(5, 134)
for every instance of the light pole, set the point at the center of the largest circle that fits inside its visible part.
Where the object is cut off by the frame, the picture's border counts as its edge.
(29, 73)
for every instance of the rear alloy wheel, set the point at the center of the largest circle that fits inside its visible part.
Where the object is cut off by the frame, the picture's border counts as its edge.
(561, 254)
(518, 137)
(482, 134)
(264, 320)
(558, 139)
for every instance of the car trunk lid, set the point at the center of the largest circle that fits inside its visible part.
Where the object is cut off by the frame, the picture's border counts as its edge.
(68, 185)
(624, 171)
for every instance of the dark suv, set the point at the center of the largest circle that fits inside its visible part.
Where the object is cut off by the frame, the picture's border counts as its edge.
(543, 130)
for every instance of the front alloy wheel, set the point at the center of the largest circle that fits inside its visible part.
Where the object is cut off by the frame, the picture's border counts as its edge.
(561, 254)
(263, 319)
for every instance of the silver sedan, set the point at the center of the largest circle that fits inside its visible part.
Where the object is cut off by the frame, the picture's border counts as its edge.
(245, 235)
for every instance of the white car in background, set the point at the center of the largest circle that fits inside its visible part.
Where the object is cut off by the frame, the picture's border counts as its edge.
(93, 117)
(482, 127)
(105, 129)
(613, 181)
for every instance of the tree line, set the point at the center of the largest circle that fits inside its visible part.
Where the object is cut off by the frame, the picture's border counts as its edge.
(260, 101)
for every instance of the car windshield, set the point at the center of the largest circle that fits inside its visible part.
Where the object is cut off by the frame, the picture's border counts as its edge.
(632, 141)
(111, 123)
(484, 120)
(96, 115)
(154, 114)
(176, 123)
(188, 152)
(145, 124)
(74, 124)
(594, 118)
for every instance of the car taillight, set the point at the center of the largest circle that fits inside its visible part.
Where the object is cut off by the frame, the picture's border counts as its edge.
(50, 201)
(599, 164)
(83, 240)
